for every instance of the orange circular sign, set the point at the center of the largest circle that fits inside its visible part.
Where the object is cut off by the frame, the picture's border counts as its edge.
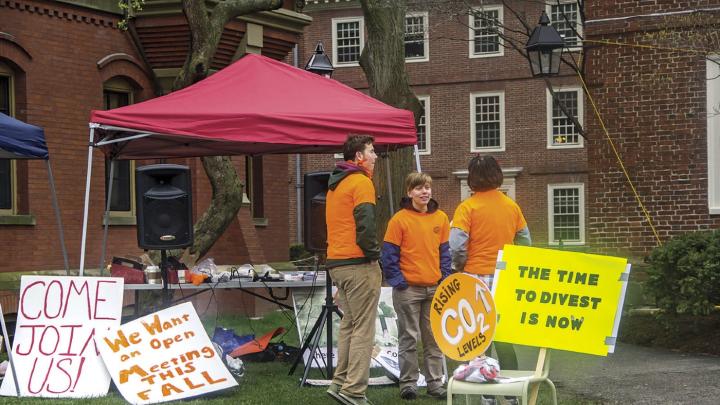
(463, 317)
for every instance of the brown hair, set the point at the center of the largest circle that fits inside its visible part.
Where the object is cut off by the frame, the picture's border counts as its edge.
(354, 144)
(484, 173)
(415, 179)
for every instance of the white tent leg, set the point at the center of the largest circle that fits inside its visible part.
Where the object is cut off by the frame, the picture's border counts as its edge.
(417, 159)
(106, 217)
(87, 203)
(59, 219)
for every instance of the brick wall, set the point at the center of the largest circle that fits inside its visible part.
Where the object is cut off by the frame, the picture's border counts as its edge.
(653, 104)
(448, 78)
(55, 48)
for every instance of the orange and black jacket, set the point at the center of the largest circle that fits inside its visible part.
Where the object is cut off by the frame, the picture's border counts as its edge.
(350, 217)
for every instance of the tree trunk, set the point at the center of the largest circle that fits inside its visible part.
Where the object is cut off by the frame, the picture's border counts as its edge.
(383, 61)
(227, 189)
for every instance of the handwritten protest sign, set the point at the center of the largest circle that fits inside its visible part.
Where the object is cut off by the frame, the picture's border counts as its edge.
(54, 348)
(462, 317)
(558, 299)
(163, 357)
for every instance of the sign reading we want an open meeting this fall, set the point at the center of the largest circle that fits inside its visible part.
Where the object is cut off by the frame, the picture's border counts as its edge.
(163, 357)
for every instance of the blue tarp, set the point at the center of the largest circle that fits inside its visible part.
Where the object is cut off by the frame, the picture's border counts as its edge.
(19, 140)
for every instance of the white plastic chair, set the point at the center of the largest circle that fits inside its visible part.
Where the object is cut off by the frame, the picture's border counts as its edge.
(526, 385)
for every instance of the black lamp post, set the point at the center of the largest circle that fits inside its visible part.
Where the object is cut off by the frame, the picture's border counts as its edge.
(319, 63)
(545, 48)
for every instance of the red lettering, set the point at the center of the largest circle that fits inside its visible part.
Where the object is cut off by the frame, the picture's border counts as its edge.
(32, 339)
(69, 379)
(48, 293)
(32, 374)
(68, 352)
(77, 377)
(90, 339)
(42, 340)
(22, 300)
(72, 288)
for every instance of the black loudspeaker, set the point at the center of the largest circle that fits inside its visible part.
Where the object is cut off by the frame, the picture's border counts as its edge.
(316, 186)
(163, 199)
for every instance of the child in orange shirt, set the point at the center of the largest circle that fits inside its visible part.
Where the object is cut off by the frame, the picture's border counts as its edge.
(416, 258)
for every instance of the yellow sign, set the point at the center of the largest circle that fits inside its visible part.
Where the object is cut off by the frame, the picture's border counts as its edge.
(462, 317)
(557, 299)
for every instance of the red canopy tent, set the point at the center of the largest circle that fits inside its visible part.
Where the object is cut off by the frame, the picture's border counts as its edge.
(255, 106)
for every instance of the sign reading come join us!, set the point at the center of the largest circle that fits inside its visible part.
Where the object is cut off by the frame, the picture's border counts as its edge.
(558, 299)
(462, 317)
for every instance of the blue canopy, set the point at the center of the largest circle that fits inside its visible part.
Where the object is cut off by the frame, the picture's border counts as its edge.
(19, 140)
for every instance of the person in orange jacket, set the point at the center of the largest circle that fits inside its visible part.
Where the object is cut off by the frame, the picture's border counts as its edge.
(415, 259)
(482, 225)
(352, 254)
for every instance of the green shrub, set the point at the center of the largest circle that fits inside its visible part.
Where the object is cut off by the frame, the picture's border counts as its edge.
(298, 252)
(684, 274)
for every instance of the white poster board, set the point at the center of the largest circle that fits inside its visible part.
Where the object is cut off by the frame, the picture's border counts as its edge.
(163, 356)
(54, 348)
(308, 306)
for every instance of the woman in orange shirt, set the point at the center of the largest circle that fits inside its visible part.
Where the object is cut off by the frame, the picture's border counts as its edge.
(481, 226)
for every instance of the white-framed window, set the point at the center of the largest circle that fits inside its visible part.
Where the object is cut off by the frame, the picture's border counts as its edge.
(487, 122)
(416, 37)
(8, 170)
(485, 29)
(348, 40)
(566, 214)
(561, 130)
(423, 128)
(118, 92)
(565, 17)
(713, 132)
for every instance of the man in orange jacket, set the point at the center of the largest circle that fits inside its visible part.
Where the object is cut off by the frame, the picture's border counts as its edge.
(353, 251)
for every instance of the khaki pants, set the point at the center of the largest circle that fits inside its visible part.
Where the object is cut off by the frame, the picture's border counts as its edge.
(358, 295)
(413, 315)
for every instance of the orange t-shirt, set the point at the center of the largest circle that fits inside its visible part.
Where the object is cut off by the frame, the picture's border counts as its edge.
(419, 236)
(491, 219)
(353, 190)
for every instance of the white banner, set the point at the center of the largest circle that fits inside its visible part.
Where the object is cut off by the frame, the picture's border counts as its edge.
(163, 357)
(54, 348)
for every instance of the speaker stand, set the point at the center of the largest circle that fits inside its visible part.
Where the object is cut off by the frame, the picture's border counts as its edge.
(167, 294)
(313, 338)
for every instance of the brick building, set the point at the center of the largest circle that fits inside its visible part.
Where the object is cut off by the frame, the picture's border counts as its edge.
(61, 59)
(479, 97)
(660, 102)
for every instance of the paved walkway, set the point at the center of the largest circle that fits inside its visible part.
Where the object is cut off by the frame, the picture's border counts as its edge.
(635, 375)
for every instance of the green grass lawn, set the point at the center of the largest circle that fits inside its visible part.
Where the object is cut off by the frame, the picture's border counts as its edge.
(269, 383)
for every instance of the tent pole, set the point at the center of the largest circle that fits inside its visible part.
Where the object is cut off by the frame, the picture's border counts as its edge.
(417, 159)
(389, 184)
(87, 203)
(106, 217)
(59, 219)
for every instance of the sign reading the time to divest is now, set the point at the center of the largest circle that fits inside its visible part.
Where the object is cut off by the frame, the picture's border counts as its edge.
(462, 317)
(163, 357)
(558, 299)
